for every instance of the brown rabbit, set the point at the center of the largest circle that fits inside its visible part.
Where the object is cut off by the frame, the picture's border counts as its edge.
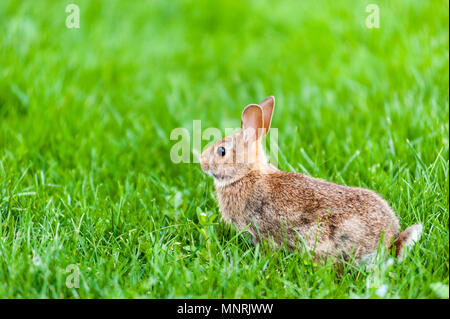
(330, 220)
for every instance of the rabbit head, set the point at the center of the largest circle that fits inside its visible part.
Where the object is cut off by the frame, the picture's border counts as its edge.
(236, 155)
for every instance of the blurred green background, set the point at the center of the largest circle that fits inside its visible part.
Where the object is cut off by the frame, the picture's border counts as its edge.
(85, 118)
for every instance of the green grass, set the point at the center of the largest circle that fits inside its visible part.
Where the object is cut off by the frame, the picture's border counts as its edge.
(86, 114)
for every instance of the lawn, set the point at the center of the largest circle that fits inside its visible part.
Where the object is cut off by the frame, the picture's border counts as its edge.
(87, 185)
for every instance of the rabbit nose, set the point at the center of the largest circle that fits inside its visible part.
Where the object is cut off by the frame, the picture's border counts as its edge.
(205, 167)
(204, 163)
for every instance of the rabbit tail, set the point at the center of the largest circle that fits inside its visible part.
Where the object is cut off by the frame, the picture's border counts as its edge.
(406, 239)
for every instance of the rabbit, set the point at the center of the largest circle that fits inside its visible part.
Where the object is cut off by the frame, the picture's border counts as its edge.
(326, 219)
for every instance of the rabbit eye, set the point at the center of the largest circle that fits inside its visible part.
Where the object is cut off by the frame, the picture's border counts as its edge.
(221, 151)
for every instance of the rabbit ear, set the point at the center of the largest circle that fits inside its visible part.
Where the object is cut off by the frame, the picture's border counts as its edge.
(252, 122)
(267, 106)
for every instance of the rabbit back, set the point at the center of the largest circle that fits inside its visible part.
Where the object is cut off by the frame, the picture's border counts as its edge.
(293, 208)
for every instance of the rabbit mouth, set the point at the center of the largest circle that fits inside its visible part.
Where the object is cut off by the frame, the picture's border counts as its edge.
(219, 177)
(216, 176)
